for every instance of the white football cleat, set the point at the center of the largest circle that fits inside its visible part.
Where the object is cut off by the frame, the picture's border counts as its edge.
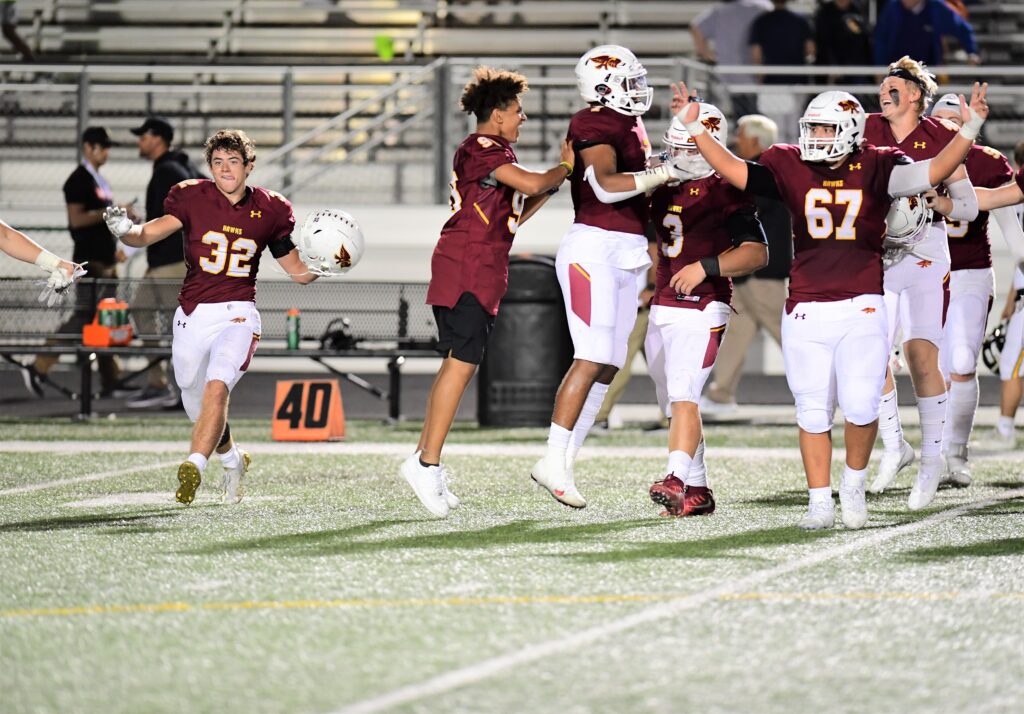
(1004, 440)
(232, 491)
(819, 517)
(558, 480)
(958, 468)
(709, 407)
(891, 464)
(428, 484)
(854, 506)
(927, 482)
(451, 498)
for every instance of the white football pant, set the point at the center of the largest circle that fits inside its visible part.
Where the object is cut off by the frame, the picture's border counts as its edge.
(836, 351)
(970, 299)
(916, 297)
(681, 347)
(215, 342)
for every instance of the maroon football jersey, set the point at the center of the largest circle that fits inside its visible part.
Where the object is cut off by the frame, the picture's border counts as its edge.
(838, 221)
(969, 246)
(472, 253)
(626, 134)
(223, 243)
(690, 220)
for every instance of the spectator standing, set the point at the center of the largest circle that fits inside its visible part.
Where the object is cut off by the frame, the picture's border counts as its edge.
(9, 22)
(916, 28)
(781, 37)
(166, 258)
(842, 37)
(87, 194)
(721, 35)
(758, 299)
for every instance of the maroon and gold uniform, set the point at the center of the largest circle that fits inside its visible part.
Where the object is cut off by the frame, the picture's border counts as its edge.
(690, 221)
(969, 245)
(472, 253)
(628, 137)
(838, 220)
(224, 242)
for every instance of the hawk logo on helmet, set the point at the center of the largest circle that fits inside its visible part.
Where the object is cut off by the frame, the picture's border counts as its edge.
(606, 61)
(912, 200)
(711, 123)
(848, 105)
(342, 258)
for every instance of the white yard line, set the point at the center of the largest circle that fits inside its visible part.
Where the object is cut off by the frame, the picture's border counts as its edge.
(83, 479)
(486, 669)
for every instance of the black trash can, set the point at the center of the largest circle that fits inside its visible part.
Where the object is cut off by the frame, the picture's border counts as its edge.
(530, 348)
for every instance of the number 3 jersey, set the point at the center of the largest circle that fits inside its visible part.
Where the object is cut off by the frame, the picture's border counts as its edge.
(472, 253)
(690, 220)
(969, 244)
(838, 220)
(224, 242)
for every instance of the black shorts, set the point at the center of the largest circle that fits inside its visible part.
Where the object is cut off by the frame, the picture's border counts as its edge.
(463, 330)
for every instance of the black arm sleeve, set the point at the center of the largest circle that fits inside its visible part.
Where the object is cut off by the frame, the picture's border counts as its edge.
(761, 181)
(745, 227)
(281, 247)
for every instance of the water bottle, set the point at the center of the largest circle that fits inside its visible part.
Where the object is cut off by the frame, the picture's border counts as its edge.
(293, 329)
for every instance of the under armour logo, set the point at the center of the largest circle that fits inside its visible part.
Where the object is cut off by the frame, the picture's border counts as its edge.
(180, 323)
(920, 145)
(799, 315)
(255, 214)
(694, 191)
(855, 167)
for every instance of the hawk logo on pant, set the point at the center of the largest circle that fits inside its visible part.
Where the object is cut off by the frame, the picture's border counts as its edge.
(868, 310)
(924, 263)
(238, 320)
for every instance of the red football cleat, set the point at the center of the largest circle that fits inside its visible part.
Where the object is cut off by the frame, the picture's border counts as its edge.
(669, 493)
(698, 501)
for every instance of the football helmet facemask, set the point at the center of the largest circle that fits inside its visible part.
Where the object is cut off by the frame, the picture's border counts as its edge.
(682, 149)
(908, 221)
(837, 109)
(612, 75)
(992, 346)
(330, 242)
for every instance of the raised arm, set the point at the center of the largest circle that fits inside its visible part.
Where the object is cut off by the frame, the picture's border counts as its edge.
(955, 152)
(729, 166)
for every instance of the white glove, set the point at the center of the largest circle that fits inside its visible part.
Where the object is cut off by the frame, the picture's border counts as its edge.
(117, 220)
(57, 285)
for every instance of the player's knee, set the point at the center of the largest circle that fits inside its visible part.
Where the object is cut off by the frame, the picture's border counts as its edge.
(862, 413)
(963, 360)
(813, 419)
(684, 388)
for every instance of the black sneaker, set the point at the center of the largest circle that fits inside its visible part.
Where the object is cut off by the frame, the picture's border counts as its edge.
(151, 397)
(33, 383)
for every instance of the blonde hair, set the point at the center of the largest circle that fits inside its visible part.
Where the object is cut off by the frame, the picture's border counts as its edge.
(924, 80)
(760, 127)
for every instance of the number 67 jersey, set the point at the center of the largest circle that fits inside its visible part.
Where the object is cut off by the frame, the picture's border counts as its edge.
(838, 220)
(224, 242)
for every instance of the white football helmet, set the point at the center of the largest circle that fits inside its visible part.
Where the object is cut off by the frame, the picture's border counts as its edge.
(907, 222)
(330, 242)
(612, 75)
(838, 109)
(682, 149)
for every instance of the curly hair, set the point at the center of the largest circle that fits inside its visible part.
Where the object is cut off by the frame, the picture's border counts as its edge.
(230, 140)
(491, 89)
(924, 80)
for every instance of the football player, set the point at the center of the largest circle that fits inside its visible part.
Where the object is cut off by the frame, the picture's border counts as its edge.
(227, 226)
(917, 279)
(834, 330)
(491, 196)
(708, 231)
(604, 254)
(972, 290)
(62, 272)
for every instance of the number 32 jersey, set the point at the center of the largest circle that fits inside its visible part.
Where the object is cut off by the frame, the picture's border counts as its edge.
(838, 220)
(224, 242)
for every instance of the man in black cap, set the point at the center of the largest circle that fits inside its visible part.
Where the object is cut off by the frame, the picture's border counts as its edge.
(166, 259)
(87, 194)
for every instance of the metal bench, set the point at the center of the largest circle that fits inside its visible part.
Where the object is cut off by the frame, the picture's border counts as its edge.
(373, 320)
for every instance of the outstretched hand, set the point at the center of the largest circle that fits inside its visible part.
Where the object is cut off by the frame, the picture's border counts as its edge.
(118, 221)
(568, 154)
(682, 104)
(59, 281)
(978, 104)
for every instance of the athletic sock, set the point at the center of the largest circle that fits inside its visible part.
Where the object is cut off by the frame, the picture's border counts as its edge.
(820, 496)
(199, 460)
(679, 464)
(230, 459)
(963, 403)
(854, 478)
(698, 469)
(1005, 425)
(595, 397)
(933, 417)
(558, 442)
(889, 427)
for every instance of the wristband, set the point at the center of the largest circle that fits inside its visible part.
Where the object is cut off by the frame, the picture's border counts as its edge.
(47, 260)
(695, 128)
(972, 127)
(567, 166)
(652, 178)
(652, 287)
(711, 266)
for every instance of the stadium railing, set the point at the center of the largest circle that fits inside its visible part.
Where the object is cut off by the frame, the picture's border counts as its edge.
(338, 320)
